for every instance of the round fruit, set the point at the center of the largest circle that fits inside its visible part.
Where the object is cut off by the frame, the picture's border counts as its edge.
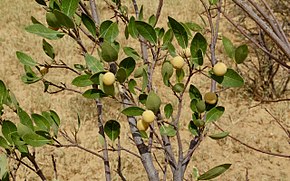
(148, 116)
(200, 106)
(210, 98)
(108, 78)
(219, 69)
(142, 125)
(177, 62)
(43, 70)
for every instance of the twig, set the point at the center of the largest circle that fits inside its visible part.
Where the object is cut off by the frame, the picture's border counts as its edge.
(253, 148)
(54, 167)
(95, 13)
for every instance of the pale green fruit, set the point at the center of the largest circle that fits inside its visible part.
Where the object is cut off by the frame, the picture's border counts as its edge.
(200, 106)
(167, 69)
(108, 78)
(153, 102)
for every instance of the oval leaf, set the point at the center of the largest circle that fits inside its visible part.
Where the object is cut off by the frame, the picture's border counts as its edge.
(219, 135)
(133, 111)
(229, 47)
(230, 79)
(241, 54)
(109, 30)
(214, 172)
(179, 32)
(69, 7)
(168, 110)
(112, 129)
(25, 59)
(82, 81)
(198, 43)
(128, 64)
(109, 53)
(147, 31)
(214, 114)
(93, 64)
(43, 31)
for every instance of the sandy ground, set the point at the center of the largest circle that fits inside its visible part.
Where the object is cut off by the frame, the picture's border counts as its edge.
(254, 126)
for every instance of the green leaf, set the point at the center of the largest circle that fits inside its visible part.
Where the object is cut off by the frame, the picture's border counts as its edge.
(179, 32)
(167, 130)
(109, 53)
(214, 114)
(131, 84)
(230, 79)
(145, 80)
(128, 64)
(3, 165)
(229, 47)
(108, 89)
(133, 111)
(93, 94)
(132, 30)
(146, 31)
(55, 117)
(23, 130)
(192, 128)
(168, 110)
(89, 24)
(143, 134)
(63, 19)
(52, 120)
(142, 98)
(219, 135)
(82, 81)
(241, 54)
(168, 37)
(121, 75)
(152, 20)
(69, 7)
(3, 93)
(130, 52)
(109, 30)
(214, 172)
(112, 129)
(194, 27)
(30, 76)
(24, 118)
(194, 93)
(41, 122)
(3, 143)
(41, 2)
(8, 128)
(52, 21)
(93, 64)
(35, 140)
(213, 2)
(34, 20)
(25, 59)
(48, 49)
(198, 43)
(45, 32)
(179, 75)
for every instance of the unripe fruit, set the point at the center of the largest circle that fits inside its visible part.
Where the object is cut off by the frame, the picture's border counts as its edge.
(219, 69)
(148, 116)
(210, 98)
(167, 69)
(108, 78)
(153, 102)
(142, 125)
(43, 70)
(200, 106)
(177, 62)
(198, 122)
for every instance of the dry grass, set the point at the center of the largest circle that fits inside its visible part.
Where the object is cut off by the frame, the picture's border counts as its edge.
(253, 126)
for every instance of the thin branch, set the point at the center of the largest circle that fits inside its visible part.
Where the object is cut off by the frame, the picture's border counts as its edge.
(95, 13)
(158, 12)
(253, 148)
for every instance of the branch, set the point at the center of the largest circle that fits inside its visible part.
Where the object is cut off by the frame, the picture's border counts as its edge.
(253, 148)
(95, 13)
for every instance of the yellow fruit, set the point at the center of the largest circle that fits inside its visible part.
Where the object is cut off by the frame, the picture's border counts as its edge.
(108, 78)
(210, 98)
(142, 125)
(148, 116)
(177, 62)
(219, 69)
(43, 70)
